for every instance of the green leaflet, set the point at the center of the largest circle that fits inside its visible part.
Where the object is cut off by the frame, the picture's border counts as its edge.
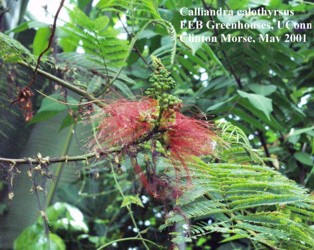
(264, 90)
(239, 149)
(259, 102)
(304, 158)
(141, 14)
(41, 40)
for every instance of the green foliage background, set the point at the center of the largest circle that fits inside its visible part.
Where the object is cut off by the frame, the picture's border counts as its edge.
(237, 203)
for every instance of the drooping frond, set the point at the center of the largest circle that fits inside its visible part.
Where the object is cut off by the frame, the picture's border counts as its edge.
(247, 201)
(5, 110)
(163, 51)
(141, 13)
(238, 148)
(11, 51)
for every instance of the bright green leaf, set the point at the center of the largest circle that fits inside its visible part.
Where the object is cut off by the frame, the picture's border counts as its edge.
(41, 40)
(304, 158)
(264, 90)
(53, 103)
(51, 106)
(67, 121)
(259, 102)
(43, 116)
(219, 105)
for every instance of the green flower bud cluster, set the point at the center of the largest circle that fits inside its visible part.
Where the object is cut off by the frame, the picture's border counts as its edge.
(167, 100)
(162, 82)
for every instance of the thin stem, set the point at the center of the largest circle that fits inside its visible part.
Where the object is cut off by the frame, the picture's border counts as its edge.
(65, 84)
(264, 144)
(41, 206)
(53, 31)
(128, 239)
(135, 48)
(128, 207)
(111, 82)
(56, 159)
(84, 157)
(292, 151)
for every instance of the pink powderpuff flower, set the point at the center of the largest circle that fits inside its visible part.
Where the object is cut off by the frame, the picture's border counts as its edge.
(126, 121)
(186, 138)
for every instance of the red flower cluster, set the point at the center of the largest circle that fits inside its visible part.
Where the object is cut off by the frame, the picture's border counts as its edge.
(183, 138)
(126, 121)
(187, 137)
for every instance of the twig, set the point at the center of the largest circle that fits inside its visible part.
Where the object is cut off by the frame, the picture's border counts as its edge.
(128, 239)
(36, 188)
(264, 144)
(53, 31)
(292, 151)
(65, 84)
(83, 157)
(128, 207)
(55, 159)
(134, 47)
